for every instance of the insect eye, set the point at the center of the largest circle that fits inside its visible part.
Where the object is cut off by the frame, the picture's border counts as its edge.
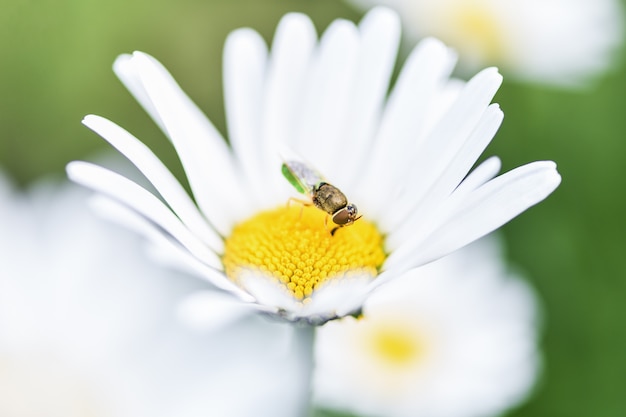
(342, 217)
(346, 215)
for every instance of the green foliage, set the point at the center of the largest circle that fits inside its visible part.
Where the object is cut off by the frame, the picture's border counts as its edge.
(572, 246)
(57, 57)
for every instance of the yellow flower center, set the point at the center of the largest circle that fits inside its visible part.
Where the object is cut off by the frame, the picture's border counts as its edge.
(475, 30)
(293, 246)
(395, 344)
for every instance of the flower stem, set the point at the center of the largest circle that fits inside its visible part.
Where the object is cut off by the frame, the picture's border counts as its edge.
(304, 342)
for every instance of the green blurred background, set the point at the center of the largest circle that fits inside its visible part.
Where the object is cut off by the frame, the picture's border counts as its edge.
(56, 67)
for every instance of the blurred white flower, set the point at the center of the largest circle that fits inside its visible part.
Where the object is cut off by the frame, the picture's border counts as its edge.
(88, 327)
(404, 160)
(562, 42)
(456, 338)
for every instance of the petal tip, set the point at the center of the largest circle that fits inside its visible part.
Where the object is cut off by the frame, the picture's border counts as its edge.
(121, 60)
(383, 14)
(72, 168)
(294, 21)
(88, 118)
(242, 35)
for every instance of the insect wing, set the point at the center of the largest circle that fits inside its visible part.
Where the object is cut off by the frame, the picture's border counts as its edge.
(303, 178)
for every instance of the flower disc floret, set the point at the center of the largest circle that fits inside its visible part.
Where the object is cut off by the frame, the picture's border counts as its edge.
(294, 246)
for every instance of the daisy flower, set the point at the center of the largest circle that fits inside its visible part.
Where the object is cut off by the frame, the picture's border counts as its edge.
(456, 338)
(403, 159)
(88, 327)
(559, 42)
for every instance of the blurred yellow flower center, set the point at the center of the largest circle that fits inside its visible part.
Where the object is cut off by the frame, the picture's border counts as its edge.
(395, 344)
(293, 246)
(476, 31)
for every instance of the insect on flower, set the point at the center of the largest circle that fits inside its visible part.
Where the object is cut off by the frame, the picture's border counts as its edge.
(324, 196)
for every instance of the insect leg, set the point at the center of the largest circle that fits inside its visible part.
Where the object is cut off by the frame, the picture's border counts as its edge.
(299, 201)
(333, 230)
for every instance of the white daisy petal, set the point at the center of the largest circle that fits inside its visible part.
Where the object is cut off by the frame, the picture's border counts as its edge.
(401, 126)
(404, 223)
(452, 130)
(379, 38)
(163, 248)
(167, 252)
(266, 292)
(467, 154)
(292, 50)
(130, 193)
(384, 277)
(499, 200)
(438, 150)
(203, 153)
(210, 311)
(126, 71)
(119, 213)
(162, 179)
(487, 208)
(480, 175)
(328, 89)
(245, 61)
(345, 293)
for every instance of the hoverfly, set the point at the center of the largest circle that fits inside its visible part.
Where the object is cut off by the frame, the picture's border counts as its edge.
(324, 196)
